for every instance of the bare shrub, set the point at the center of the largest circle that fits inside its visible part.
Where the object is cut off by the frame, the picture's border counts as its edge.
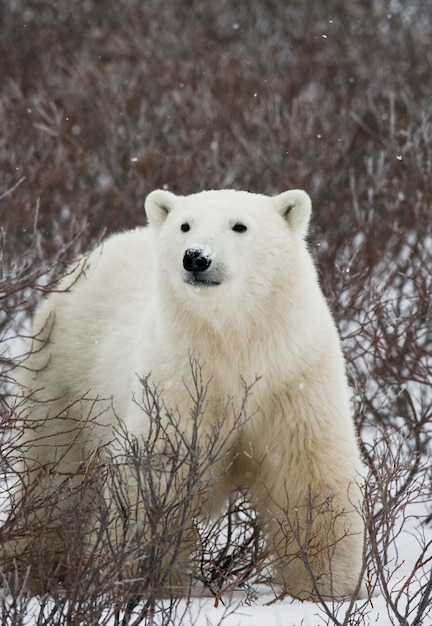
(140, 501)
(399, 485)
(231, 553)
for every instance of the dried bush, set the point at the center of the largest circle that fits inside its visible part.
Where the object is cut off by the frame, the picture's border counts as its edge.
(141, 504)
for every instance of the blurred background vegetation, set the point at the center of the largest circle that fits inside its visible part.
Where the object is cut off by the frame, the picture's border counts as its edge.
(103, 101)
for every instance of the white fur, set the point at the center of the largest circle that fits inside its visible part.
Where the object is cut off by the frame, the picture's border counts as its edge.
(127, 311)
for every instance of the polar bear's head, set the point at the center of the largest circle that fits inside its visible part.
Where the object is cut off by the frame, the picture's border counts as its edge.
(226, 243)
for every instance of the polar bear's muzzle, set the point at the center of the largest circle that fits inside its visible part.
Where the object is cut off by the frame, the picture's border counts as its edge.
(199, 268)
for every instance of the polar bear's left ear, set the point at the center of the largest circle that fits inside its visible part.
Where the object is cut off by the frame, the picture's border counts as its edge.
(295, 206)
(157, 206)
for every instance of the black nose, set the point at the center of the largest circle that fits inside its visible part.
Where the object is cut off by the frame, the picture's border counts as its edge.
(196, 260)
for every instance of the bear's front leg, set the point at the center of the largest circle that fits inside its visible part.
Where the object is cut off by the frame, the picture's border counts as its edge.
(316, 533)
(152, 493)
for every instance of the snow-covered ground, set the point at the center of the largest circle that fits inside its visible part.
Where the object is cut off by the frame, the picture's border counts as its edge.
(413, 540)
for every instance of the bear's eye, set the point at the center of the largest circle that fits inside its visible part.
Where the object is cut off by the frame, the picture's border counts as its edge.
(185, 227)
(239, 228)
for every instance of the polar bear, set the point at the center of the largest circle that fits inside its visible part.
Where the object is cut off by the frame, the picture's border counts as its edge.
(223, 277)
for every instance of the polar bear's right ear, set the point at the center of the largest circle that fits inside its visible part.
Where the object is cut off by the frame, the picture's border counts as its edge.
(157, 206)
(295, 206)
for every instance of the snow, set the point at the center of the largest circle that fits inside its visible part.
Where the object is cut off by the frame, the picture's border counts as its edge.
(234, 609)
(201, 250)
